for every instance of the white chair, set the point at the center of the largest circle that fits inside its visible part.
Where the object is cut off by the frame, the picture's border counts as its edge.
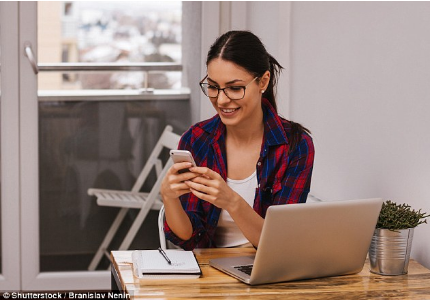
(161, 228)
(164, 244)
(134, 199)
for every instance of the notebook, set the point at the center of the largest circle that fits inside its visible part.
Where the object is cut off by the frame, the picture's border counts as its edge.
(311, 240)
(153, 264)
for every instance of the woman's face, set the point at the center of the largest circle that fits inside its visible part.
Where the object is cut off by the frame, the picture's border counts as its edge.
(222, 73)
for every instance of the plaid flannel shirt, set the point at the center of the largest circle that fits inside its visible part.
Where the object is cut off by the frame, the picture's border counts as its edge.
(282, 178)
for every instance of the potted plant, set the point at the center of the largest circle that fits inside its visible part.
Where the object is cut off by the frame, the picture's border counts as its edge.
(391, 244)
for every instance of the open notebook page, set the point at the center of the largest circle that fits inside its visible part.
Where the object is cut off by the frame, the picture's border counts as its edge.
(152, 262)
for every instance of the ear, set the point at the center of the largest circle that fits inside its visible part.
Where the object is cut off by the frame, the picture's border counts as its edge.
(264, 81)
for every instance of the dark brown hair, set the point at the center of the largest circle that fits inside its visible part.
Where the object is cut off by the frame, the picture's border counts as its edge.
(246, 50)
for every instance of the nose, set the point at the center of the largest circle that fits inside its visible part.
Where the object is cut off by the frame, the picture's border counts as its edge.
(222, 98)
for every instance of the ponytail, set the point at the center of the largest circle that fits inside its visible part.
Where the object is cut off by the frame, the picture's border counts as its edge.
(297, 131)
(275, 70)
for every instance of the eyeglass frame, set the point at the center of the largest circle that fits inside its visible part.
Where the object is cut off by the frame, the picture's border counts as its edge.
(201, 83)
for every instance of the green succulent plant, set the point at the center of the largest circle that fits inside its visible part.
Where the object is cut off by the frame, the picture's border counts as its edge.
(399, 216)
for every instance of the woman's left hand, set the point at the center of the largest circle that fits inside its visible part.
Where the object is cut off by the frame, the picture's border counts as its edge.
(212, 188)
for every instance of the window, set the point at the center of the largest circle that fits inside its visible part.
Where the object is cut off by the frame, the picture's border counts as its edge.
(86, 142)
(109, 32)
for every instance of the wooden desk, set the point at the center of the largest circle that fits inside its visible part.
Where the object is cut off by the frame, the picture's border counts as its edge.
(215, 284)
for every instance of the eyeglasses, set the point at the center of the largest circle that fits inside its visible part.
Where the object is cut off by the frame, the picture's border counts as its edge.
(232, 92)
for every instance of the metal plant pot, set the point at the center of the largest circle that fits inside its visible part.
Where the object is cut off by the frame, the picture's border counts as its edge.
(390, 251)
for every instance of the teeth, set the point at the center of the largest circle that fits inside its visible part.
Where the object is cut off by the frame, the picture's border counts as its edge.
(228, 110)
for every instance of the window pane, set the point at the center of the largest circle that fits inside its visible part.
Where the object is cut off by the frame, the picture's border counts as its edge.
(109, 32)
(87, 143)
(95, 145)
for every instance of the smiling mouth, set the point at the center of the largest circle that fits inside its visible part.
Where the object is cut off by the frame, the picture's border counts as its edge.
(228, 110)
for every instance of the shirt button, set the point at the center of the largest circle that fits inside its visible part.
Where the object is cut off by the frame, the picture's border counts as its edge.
(259, 163)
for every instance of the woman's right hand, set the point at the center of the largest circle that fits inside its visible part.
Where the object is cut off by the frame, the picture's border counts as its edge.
(172, 187)
(173, 184)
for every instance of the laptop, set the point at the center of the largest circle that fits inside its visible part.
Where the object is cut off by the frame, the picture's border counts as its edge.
(309, 240)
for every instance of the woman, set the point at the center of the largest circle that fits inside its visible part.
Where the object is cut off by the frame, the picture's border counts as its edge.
(248, 158)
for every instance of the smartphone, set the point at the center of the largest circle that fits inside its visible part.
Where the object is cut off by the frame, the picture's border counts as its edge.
(182, 156)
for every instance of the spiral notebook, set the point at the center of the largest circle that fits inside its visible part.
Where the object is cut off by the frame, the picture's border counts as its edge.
(152, 264)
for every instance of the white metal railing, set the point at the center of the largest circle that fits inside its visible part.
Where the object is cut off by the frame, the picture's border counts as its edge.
(113, 95)
(80, 67)
(145, 67)
(144, 93)
(103, 67)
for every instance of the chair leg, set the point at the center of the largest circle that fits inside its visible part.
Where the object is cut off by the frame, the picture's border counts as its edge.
(158, 167)
(108, 238)
(134, 228)
(144, 211)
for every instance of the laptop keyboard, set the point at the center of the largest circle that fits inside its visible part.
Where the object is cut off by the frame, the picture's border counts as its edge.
(245, 269)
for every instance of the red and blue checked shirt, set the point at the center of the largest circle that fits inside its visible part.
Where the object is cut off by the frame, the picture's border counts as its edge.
(282, 178)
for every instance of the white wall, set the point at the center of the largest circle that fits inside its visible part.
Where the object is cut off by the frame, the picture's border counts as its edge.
(270, 21)
(358, 75)
(360, 80)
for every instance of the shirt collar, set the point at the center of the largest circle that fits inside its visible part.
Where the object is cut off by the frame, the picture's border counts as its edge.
(274, 132)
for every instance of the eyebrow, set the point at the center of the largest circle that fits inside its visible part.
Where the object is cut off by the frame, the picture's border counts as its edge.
(230, 82)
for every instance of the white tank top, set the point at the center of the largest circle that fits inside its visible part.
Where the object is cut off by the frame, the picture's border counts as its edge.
(228, 233)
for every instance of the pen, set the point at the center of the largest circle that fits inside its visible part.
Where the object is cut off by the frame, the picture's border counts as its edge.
(164, 255)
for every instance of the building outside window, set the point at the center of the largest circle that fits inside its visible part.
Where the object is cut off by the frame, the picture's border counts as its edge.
(109, 32)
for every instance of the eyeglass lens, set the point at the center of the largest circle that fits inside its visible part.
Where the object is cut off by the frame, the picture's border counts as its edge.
(233, 92)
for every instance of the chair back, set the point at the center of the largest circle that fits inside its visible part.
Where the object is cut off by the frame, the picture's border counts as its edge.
(169, 140)
(161, 228)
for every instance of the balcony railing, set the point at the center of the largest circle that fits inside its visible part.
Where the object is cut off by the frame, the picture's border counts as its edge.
(145, 93)
(113, 95)
(82, 67)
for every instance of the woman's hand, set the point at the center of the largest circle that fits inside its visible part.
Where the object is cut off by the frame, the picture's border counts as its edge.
(209, 186)
(173, 184)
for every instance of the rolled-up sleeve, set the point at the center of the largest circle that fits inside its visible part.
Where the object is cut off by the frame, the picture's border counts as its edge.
(200, 237)
(196, 209)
